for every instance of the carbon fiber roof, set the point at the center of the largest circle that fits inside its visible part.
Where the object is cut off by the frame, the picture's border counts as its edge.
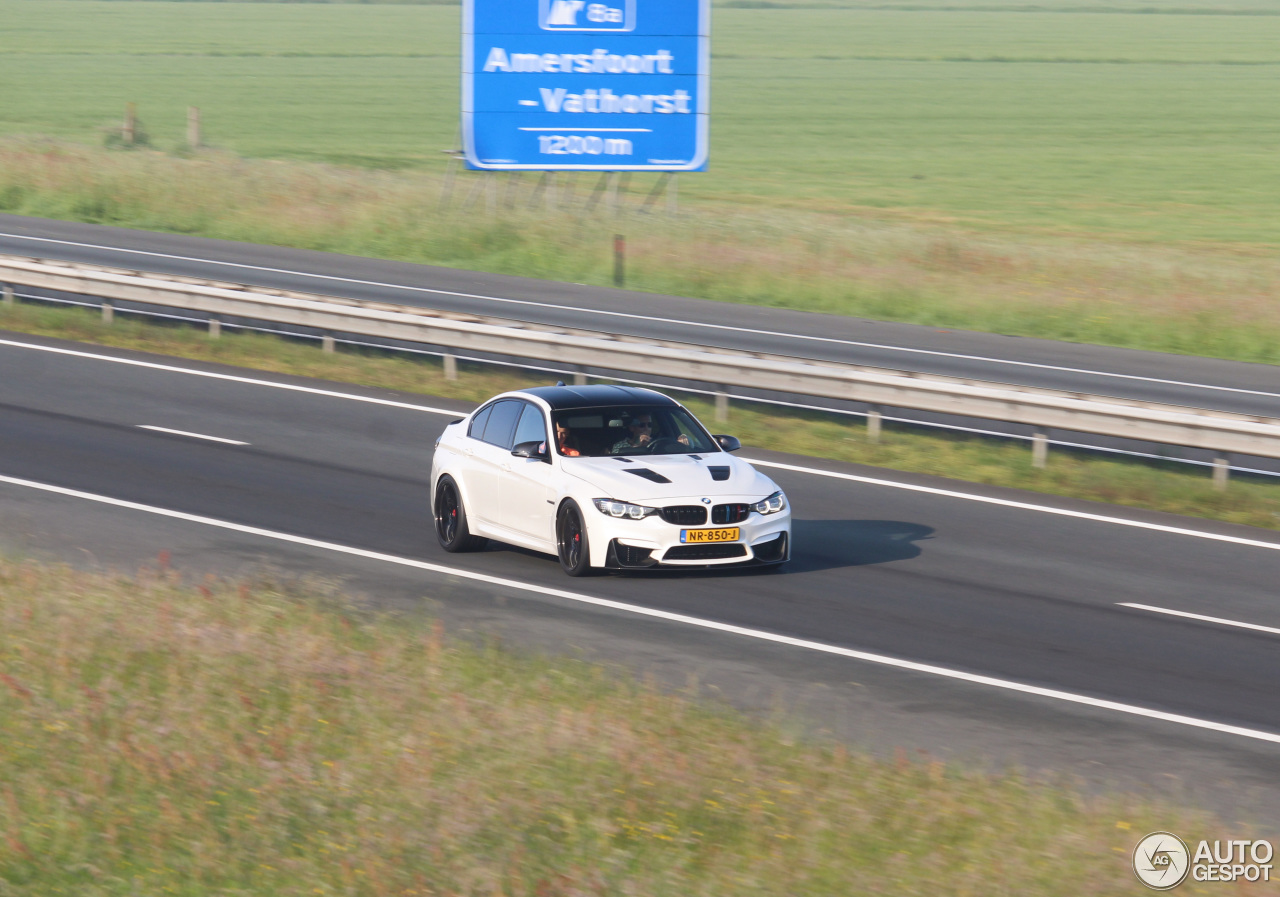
(565, 397)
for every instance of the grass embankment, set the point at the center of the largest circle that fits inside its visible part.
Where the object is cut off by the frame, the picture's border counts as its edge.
(1162, 486)
(1195, 301)
(215, 738)
(1054, 170)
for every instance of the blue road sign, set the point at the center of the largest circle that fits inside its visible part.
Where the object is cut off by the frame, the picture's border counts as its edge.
(574, 85)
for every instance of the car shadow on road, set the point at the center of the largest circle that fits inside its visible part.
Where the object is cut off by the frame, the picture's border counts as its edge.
(817, 545)
(830, 544)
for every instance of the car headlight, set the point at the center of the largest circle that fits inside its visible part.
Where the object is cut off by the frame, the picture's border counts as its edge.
(622, 508)
(771, 505)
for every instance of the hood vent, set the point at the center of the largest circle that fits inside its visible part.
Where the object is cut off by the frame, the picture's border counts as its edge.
(719, 474)
(651, 475)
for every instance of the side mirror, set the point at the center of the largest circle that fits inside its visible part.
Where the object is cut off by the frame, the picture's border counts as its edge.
(532, 450)
(728, 443)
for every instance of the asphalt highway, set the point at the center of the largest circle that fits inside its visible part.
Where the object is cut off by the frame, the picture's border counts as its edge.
(1004, 606)
(1150, 376)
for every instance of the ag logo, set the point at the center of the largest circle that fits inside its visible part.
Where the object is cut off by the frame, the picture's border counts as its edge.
(587, 15)
(1161, 861)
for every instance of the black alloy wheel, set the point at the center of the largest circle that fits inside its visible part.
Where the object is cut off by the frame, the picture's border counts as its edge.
(451, 519)
(571, 540)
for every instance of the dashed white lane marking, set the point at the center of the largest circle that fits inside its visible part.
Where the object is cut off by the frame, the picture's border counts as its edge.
(814, 471)
(653, 318)
(668, 616)
(1201, 617)
(191, 435)
(1022, 505)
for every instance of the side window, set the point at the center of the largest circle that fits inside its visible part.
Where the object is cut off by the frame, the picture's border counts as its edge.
(502, 422)
(476, 430)
(531, 428)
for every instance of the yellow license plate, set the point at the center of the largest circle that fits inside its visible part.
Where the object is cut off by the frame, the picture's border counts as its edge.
(709, 535)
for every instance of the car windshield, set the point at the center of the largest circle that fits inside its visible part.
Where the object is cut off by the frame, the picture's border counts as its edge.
(630, 430)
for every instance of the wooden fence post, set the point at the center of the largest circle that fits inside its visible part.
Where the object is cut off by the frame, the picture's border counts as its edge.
(193, 127)
(130, 129)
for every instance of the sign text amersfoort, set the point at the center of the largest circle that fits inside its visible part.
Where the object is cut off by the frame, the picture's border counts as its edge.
(573, 85)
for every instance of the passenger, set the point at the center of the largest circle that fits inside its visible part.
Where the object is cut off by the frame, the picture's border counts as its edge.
(565, 441)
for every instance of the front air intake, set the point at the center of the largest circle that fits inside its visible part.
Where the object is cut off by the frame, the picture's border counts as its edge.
(712, 552)
(631, 555)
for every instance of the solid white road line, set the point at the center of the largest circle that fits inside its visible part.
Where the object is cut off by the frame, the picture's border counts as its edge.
(1022, 505)
(1181, 613)
(251, 381)
(814, 471)
(651, 318)
(192, 435)
(668, 616)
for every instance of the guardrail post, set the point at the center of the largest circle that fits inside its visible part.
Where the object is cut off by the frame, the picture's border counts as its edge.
(451, 367)
(1221, 470)
(215, 328)
(8, 294)
(579, 378)
(108, 311)
(722, 406)
(874, 419)
(1040, 449)
(327, 344)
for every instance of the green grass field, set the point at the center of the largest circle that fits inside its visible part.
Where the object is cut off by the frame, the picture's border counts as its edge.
(263, 738)
(1049, 119)
(1101, 174)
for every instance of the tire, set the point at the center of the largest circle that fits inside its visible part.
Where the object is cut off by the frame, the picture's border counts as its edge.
(451, 519)
(571, 540)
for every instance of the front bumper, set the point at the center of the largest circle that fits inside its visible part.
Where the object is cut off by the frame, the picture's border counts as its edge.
(774, 550)
(650, 543)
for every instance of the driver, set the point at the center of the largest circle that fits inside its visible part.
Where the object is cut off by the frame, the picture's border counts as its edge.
(641, 435)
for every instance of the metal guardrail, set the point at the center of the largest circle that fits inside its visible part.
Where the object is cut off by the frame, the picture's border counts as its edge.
(1217, 431)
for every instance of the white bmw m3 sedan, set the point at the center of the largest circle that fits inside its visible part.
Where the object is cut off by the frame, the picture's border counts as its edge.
(605, 478)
